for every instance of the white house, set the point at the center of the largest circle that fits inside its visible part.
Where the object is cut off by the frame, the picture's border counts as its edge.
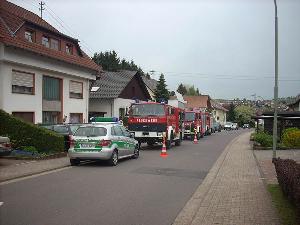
(219, 112)
(44, 74)
(177, 101)
(115, 93)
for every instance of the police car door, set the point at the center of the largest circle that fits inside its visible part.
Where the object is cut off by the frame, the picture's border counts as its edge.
(121, 142)
(129, 142)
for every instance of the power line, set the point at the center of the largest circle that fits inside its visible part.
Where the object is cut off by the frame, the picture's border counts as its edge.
(67, 28)
(60, 23)
(222, 76)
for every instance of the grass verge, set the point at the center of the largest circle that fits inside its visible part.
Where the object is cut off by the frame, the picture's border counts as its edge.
(285, 209)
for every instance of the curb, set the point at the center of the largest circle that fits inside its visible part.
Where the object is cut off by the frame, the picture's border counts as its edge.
(24, 176)
(39, 158)
(189, 211)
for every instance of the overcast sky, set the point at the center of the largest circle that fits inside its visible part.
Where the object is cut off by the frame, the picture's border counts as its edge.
(224, 47)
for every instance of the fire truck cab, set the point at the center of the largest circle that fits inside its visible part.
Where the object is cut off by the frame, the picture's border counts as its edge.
(151, 121)
(192, 122)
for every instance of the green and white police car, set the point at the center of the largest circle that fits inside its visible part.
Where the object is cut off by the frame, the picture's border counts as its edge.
(104, 139)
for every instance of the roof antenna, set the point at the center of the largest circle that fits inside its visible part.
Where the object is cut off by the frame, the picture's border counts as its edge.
(41, 8)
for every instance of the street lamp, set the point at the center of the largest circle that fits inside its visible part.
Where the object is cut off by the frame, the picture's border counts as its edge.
(276, 84)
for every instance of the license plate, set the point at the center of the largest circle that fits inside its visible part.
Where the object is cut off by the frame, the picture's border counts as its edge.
(87, 145)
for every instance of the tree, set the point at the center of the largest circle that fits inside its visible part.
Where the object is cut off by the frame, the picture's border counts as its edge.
(243, 114)
(181, 89)
(231, 113)
(110, 61)
(161, 91)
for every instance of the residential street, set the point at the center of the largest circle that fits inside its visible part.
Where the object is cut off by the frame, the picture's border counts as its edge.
(149, 190)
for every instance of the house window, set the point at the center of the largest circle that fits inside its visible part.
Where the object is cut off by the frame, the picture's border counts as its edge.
(26, 116)
(22, 82)
(69, 49)
(76, 89)
(51, 88)
(45, 42)
(54, 44)
(29, 35)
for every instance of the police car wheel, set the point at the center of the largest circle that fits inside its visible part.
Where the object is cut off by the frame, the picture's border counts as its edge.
(74, 162)
(136, 152)
(113, 161)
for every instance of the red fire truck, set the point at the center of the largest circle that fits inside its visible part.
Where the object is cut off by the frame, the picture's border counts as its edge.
(150, 121)
(192, 120)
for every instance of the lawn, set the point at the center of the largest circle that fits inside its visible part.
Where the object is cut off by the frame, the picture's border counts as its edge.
(286, 210)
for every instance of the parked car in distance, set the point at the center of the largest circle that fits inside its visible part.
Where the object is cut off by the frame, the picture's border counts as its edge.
(108, 141)
(246, 125)
(228, 126)
(67, 130)
(5, 146)
(217, 127)
(235, 126)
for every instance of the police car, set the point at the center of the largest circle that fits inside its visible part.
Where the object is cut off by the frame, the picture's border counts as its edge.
(103, 139)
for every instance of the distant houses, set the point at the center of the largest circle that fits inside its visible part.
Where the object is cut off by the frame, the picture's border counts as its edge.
(206, 104)
(45, 75)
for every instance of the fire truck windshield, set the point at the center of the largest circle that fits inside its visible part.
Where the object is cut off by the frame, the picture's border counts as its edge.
(189, 116)
(147, 110)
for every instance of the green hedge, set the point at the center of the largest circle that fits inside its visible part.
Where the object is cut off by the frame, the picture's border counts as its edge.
(264, 139)
(26, 134)
(291, 137)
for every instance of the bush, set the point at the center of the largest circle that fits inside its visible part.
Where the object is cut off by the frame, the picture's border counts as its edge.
(291, 137)
(264, 139)
(26, 134)
(288, 175)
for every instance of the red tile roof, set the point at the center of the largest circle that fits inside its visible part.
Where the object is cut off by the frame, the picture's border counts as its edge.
(13, 17)
(202, 101)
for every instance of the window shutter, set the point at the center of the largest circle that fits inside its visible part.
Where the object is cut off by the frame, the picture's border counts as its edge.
(75, 87)
(22, 79)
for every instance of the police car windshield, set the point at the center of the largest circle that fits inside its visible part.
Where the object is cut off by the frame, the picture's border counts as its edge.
(147, 110)
(189, 116)
(91, 131)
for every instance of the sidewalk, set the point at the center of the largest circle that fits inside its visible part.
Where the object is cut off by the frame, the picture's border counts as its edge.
(31, 167)
(232, 193)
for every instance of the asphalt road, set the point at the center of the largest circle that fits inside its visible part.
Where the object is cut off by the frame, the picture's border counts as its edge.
(147, 191)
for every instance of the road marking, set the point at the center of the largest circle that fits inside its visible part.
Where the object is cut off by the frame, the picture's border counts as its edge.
(1, 203)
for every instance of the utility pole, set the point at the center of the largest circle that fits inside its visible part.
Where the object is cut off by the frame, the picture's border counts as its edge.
(41, 8)
(276, 84)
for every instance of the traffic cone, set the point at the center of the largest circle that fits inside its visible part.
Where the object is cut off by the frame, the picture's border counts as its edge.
(195, 137)
(164, 149)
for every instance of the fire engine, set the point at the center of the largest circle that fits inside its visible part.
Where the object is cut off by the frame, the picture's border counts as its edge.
(151, 121)
(192, 121)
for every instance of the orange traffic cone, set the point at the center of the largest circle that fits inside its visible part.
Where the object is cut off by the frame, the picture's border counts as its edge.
(164, 149)
(195, 137)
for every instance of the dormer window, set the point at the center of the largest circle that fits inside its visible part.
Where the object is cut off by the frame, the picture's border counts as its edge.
(45, 41)
(69, 49)
(29, 35)
(54, 44)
